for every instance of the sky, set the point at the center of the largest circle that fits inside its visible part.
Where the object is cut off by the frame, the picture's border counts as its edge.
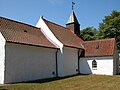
(88, 12)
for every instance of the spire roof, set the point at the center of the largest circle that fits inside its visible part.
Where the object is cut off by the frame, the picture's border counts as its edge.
(72, 19)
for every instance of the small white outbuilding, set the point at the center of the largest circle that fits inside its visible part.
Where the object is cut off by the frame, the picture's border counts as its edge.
(99, 57)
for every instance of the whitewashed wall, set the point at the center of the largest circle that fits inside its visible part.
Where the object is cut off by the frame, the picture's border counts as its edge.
(2, 58)
(67, 57)
(68, 62)
(104, 65)
(24, 63)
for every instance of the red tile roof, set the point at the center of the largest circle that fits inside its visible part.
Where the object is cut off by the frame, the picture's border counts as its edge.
(26, 34)
(104, 47)
(65, 35)
(22, 33)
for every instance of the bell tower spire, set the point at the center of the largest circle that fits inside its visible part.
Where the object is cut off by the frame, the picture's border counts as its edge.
(73, 23)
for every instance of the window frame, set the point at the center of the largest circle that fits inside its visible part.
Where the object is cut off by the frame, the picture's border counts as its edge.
(94, 65)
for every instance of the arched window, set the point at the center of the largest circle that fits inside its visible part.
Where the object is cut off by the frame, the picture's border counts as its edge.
(94, 64)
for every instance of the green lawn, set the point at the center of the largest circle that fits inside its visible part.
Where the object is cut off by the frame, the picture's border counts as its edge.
(81, 82)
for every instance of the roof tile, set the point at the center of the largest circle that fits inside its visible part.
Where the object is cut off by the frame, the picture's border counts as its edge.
(65, 35)
(103, 47)
(22, 33)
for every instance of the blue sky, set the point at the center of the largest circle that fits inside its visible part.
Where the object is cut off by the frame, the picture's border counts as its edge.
(88, 12)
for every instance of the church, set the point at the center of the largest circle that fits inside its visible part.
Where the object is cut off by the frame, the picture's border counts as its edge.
(49, 50)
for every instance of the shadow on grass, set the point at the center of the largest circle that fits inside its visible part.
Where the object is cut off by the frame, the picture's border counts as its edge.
(2, 88)
(50, 79)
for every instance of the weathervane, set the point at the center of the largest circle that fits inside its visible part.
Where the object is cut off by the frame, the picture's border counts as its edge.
(73, 5)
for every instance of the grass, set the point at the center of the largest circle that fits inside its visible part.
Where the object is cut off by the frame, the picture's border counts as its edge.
(81, 82)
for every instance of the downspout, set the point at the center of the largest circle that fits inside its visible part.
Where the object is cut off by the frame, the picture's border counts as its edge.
(56, 63)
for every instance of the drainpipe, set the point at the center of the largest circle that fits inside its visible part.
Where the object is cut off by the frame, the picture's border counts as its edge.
(56, 63)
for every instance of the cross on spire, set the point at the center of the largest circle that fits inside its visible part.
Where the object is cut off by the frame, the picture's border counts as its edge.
(73, 5)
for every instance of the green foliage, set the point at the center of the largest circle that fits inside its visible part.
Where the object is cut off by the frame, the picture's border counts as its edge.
(110, 27)
(88, 33)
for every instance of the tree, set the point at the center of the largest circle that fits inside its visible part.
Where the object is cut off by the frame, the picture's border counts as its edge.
(110, 27)
(88, 33)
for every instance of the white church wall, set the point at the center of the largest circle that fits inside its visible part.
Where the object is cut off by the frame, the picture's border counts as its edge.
(104, 65)
(70, 61)
(2, 58)
(67, 57)
(25, 63)
(49, 35)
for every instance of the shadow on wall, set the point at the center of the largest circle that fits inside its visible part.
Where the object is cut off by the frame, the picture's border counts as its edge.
(85, 67)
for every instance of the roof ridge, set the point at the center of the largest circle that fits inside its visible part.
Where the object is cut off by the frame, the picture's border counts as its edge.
(65, 31)
(69, 30)
(18, 22)
(63, 27)
(56, 24)
(101, 40)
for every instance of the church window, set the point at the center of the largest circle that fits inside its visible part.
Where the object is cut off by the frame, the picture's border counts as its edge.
(94, 64)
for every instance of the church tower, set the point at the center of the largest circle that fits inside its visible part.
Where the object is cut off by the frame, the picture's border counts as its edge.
(73, 23)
